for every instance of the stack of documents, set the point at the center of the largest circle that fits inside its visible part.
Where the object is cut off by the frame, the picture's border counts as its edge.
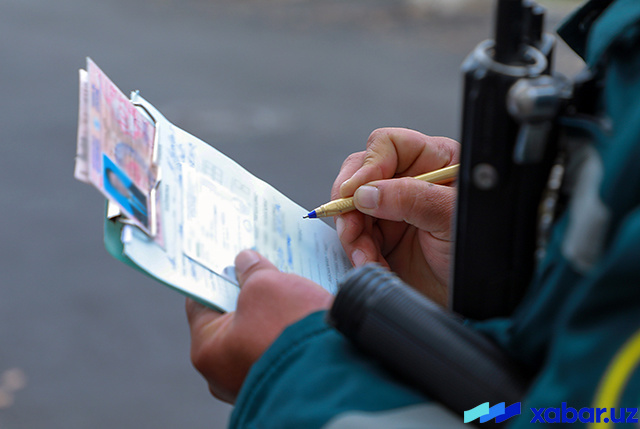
(179, 210)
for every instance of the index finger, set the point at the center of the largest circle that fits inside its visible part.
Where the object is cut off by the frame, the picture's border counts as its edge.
(349, 166)
(396, 152)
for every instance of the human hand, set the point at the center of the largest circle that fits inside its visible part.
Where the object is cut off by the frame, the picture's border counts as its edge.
(225, 346)
(401, 223)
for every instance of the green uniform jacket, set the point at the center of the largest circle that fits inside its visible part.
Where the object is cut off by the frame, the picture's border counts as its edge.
(578, 328)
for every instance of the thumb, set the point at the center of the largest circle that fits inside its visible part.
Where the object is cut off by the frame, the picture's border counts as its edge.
(248, 262)
(426, 206)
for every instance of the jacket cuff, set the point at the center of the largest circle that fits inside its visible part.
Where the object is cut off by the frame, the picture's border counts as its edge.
(311, 374)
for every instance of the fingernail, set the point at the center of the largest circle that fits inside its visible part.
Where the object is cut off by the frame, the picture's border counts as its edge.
(339, 226)
(358, 257)
(245, 260)
(367, 197)
(343, 186)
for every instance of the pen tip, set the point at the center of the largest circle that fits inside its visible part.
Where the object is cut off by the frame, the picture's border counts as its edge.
(305, 217)
(311, 215)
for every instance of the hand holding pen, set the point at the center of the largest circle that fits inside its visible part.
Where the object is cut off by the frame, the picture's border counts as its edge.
(344, 205)
(400, 222)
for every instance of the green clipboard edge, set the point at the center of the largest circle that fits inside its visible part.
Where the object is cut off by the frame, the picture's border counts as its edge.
(113, 244)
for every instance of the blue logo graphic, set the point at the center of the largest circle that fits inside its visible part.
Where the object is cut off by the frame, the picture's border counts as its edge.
(562, 414)
(497, 412)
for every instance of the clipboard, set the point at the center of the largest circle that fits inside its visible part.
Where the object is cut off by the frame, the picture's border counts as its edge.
(205, 209)
(112, 242)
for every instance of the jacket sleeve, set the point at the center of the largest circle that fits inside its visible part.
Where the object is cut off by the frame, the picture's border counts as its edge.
(310, 375)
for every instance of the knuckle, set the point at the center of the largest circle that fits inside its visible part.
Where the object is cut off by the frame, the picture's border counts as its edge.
(256, 280)
(377, 134)
(354, 158)
(407, 200)
(211, 353)
(373, 169)
(260, 284)
(419, 205)
(378, 139)
(426, 205)
(447, 149)
(202, 357)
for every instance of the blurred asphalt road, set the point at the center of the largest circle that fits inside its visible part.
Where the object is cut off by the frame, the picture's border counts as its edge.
(286, 88)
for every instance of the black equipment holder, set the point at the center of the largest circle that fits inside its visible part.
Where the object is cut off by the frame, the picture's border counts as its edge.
(427, 346)
(510, 101)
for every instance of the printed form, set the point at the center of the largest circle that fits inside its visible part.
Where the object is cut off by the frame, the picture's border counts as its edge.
(209, 209)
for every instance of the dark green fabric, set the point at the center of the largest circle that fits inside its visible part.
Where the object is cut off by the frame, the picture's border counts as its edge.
(576, 27)
(573, 325)
(617, 25)
(311, 374)
(601, 314)
(599, 25)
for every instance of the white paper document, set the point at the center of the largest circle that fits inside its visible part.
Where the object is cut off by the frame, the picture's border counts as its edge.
(208, 208)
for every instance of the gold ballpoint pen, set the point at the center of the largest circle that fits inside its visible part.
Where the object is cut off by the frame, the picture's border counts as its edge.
(344, 205)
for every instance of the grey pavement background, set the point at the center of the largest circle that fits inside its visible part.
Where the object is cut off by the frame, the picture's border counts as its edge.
(286, 88)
